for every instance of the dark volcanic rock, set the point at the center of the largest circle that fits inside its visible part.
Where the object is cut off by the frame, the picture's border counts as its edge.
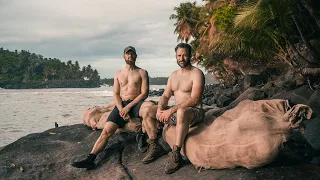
(223, 101)
(253, 80)
(156, 92)
(312, 132)
(48, 155)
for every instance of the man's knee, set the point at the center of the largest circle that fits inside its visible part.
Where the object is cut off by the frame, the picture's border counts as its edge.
(106, 133)
(109, 129)
(183, 116)
(181, 111)
(148, 111)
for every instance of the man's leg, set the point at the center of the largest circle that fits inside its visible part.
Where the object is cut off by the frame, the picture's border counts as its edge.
(148, 115)
(155, 150)
(142, 137)
(184, 119)
(107, 132)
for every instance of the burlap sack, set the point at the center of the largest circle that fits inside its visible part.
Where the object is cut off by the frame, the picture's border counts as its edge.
(249, 135)
(97, 116)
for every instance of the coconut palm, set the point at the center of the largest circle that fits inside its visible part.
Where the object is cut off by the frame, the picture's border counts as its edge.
(186, 19)
(269, 28)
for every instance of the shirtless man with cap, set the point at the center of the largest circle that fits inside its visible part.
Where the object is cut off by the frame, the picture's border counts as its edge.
(131, 88)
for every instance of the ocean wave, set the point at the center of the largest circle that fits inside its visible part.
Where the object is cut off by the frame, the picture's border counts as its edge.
(94, 93)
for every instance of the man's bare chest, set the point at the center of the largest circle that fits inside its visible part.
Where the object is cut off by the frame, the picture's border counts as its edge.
(181, 83)
(130, 79)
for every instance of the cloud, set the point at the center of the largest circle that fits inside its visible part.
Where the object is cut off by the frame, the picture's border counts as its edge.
(92, 32)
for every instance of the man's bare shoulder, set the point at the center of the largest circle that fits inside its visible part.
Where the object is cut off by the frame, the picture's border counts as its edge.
(117, 73)
(174, 73)
(197, 70)
(142, 71)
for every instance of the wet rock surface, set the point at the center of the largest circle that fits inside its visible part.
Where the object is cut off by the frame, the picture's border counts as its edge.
(48, 155)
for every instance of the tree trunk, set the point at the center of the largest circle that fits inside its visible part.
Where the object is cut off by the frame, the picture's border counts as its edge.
(311, 71)
(300, 59)
(311, 50)
(311, 11)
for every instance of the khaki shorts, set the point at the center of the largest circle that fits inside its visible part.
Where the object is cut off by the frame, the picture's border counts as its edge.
(198, 117)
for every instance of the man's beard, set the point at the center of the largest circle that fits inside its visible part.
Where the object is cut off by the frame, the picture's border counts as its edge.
(185, 63)
(130, 62)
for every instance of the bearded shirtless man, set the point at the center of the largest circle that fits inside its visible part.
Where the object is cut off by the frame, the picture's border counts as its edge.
(131, 88)
(187, 84)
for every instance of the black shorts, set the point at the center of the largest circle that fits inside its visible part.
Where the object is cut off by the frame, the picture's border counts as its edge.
(115, 117)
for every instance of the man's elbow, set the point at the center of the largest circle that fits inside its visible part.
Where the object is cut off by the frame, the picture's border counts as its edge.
(196, 100)
(145, 95)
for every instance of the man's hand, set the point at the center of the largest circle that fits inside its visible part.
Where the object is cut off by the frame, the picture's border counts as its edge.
(164, 115)
(124, 111)
(126, 117)
(158, 115)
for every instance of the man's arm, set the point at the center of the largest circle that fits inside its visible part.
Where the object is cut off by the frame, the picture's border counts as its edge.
(144, 90)
(116, 92)
(196, 92)
(164, 99)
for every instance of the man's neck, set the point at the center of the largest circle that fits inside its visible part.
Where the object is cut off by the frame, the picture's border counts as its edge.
(185, 69)
(130, 67)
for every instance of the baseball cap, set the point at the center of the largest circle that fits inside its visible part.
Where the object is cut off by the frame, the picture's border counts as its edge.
(129, 48)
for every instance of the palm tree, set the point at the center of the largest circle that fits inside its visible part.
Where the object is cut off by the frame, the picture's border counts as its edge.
(270, 28)
(186, 19)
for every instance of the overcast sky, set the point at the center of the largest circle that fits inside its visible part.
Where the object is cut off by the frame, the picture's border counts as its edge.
(93, 32)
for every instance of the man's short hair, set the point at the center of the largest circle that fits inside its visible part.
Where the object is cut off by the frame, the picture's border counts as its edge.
(185, 46)
(129, 48)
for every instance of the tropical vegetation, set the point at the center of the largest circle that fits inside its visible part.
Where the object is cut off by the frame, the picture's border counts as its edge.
(232, 38)
(22, 69)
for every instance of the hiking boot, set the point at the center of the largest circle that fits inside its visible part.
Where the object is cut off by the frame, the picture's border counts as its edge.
(174, 160)
(141, 139)
(86, 163)
(155, 150)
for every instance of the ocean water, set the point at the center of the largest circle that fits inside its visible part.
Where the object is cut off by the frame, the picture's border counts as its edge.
(36, 110)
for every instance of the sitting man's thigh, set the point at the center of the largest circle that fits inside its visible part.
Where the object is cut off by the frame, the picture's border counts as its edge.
(186, 114)
(150, 106)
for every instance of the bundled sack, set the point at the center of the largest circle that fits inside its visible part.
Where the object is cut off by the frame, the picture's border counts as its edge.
(249, 135)
(96, 117)
(93, 117)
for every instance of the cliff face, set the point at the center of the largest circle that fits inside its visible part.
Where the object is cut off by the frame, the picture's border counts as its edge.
(48, 155)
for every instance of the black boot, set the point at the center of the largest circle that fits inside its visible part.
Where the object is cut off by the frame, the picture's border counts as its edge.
(86, 163)
(141, 139)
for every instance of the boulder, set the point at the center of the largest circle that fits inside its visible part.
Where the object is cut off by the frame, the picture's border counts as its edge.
(253, 80)
(301, 95)
(223, 101)
(250, 94)
(314, 102)
(312, 132)
(209, 101)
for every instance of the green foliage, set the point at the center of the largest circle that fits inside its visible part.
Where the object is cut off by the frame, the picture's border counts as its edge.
(186, 19)
(253, 32)
(17, 69)
(224, 16)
